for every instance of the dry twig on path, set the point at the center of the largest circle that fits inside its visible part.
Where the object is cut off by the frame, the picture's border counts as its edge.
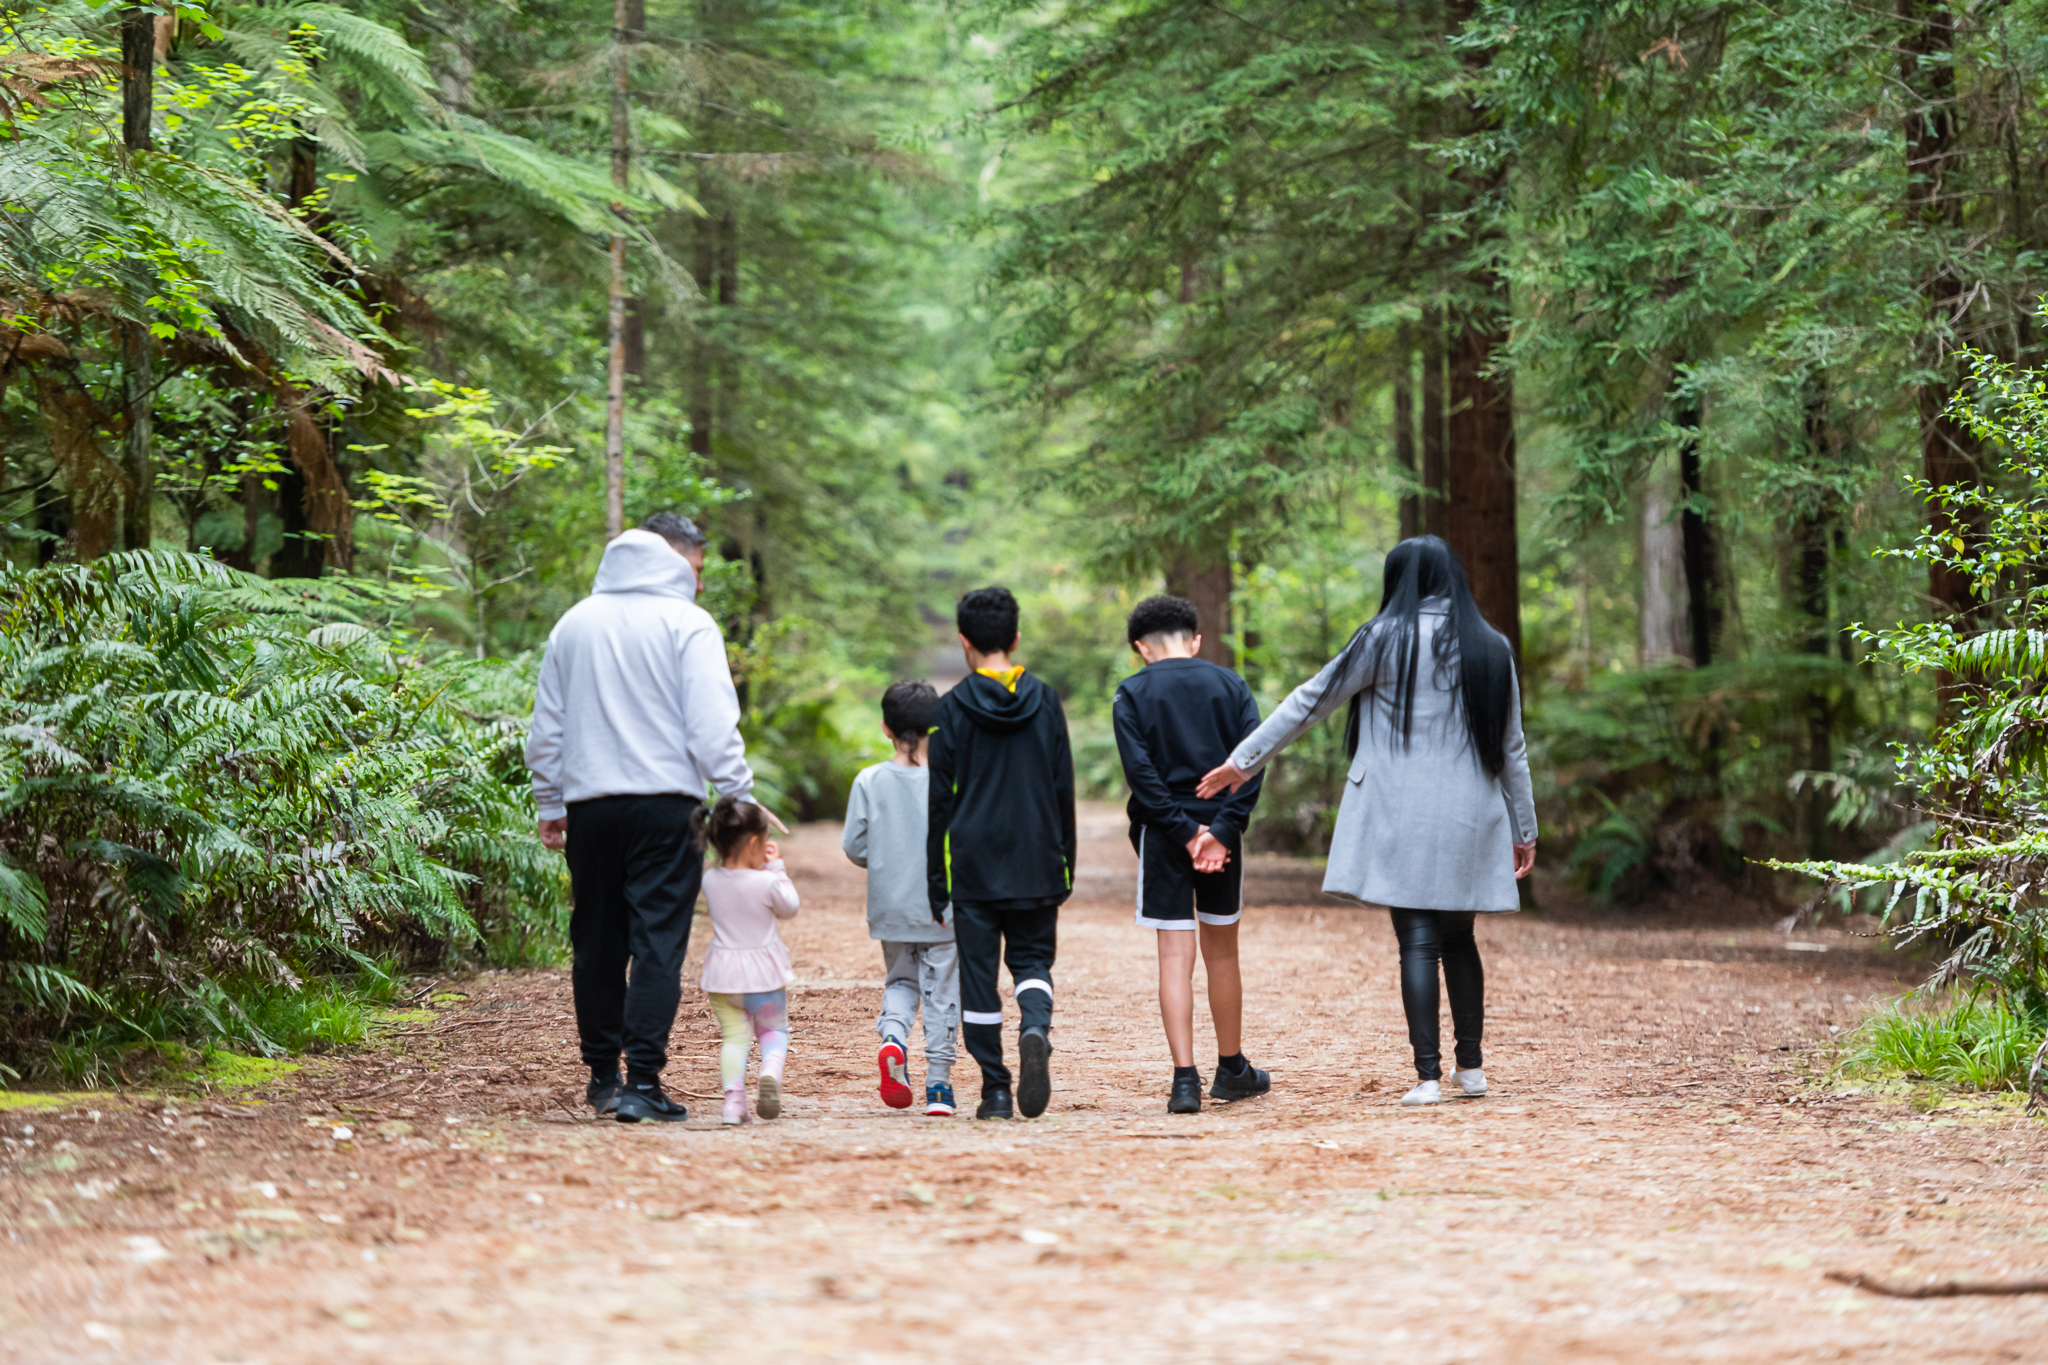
(1944, 1289)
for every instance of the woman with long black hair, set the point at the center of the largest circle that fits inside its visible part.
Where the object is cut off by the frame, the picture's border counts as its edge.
(1437, 821)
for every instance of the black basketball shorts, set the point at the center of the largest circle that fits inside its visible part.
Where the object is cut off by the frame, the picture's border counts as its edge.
(1172, 895)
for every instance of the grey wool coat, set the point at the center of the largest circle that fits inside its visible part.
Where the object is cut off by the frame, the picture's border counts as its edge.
(1423, 828)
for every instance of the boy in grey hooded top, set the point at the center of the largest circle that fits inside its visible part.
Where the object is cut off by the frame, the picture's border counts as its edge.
(886, 819)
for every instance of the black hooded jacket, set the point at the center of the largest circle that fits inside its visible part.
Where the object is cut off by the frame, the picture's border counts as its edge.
(1002, 797)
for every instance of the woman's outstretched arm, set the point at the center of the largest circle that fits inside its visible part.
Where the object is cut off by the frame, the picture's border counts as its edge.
(1307, 704)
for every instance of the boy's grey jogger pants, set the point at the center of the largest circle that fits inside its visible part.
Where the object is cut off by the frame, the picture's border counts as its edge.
(927, 975)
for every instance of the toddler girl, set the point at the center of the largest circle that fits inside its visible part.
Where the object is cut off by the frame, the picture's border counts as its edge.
(746, 969)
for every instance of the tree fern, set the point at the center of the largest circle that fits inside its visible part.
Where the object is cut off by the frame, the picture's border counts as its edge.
(204, 778)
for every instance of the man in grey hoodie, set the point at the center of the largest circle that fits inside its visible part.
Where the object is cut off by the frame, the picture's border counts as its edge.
(635, 713)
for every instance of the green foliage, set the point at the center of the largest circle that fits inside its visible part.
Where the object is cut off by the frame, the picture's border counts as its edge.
(1979, 775)
(212, 789)
(1975, 1044)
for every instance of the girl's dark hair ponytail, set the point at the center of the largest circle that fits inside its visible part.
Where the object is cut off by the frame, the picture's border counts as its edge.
(726, 824)
(1419, 568)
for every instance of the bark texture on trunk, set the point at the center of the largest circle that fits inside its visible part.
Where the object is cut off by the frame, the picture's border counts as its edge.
(138, 101)
(1666, 610)
(1480, 478)
(624, 31)
(1702, 556)
(1433, 457)
(1204, 579)
(1948, 453)
(1812, 543)
(1404, 427)
(703, 363)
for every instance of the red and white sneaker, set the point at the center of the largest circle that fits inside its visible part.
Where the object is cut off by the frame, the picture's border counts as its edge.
(895, 1086)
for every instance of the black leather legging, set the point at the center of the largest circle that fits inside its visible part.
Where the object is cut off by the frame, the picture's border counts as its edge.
(1427, 938)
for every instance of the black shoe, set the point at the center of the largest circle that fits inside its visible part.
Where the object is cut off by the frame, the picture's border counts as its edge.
(1187, 1095)
(995, 1104)
(1240, 1085)
(1034, 1081)
(646, 1104)
(603, 1094)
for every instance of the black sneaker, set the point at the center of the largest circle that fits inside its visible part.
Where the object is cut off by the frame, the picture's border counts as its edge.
(995, 1103)
(1034, 1080)
(1187, 1095)
(603, 1094)
(646, 1104)
(1241, 1085)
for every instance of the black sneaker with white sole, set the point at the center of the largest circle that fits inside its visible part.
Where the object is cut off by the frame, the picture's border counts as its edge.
(644, 1103)
(1239, 1085)
(1034, 1074)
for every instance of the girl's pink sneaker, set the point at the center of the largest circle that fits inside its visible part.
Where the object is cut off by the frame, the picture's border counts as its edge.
(736, 1106)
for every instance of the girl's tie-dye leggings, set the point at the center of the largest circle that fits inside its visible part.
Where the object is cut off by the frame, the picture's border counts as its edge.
(767, 1014)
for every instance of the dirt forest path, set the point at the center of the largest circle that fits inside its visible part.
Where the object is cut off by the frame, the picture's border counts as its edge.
(1655, 1177)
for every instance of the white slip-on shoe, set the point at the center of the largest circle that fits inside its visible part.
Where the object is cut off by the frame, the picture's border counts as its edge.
(1471, 1084)
(1428, 1092)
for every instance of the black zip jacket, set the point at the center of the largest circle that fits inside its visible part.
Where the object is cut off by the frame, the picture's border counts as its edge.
(1002, 802)
(1176, 720)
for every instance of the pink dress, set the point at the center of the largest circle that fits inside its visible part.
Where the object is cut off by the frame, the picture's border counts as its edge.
(746, 954)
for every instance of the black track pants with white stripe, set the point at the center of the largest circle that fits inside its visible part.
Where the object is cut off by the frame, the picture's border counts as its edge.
(1025, 940)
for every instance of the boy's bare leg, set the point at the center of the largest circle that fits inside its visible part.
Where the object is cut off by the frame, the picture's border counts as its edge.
(1177, 993)
(1226, 991)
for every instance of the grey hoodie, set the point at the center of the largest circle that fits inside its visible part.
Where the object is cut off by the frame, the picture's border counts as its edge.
(635, 697)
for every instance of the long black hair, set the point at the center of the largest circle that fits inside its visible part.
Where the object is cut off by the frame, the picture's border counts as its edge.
(1419, 568)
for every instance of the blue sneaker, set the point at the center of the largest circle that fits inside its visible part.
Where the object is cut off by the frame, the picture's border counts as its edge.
(938, 1101)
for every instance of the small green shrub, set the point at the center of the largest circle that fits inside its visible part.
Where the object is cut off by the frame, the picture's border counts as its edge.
(1976, 1044)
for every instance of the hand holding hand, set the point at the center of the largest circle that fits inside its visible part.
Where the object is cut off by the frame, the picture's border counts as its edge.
(1525, 859)
(1209, 852)
(554, 834)
(1219, 778)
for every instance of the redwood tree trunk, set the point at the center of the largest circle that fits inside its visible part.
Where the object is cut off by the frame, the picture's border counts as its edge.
(1480, 478)
(1702, 557)
(624, 31)
(138, 100)
(1433, 460)
(1404, 427)
(1948, 455)
(1204, 579)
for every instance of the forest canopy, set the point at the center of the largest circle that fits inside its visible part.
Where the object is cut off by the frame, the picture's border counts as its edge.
(375, 317)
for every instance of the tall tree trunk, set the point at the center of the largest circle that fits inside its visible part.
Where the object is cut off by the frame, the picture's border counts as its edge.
(703, 359)
(1666, 611)
(1404, 426)
(1202, 575)
(1812, 545)
(318, 515)
(1479, 486)
(1702, 557)
(728, 385)
(138, 101)
(625, 29)
(1480, 482)
(1948, 454)
(1434, 461)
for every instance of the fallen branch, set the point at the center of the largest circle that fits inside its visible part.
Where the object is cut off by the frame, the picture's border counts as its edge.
(1945, 1289)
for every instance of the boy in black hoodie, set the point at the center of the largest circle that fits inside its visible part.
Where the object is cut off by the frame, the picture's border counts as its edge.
(1001, 846)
